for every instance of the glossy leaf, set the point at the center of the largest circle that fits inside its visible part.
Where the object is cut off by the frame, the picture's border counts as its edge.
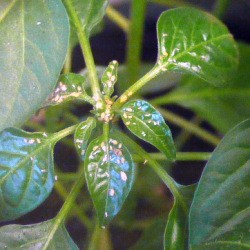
(34, 236)
(209, 102)
(70, 87)
(143, 120)
(26, 171)
(82, 135)
(109, 172)
(90, 12)
(33, 47)
(195, 42)
(219, 216)
(109, 78)
(176, 232)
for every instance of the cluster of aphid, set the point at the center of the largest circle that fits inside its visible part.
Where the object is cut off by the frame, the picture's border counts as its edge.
(102, 107)
(61, 93)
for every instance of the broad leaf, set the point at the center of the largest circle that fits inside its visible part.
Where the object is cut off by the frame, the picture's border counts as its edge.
(233, 100)
(176, 232)
(82, 135)
(219, 217)
(33, 46)
(35, 236)
(70, 87)
(109, 172)
(109, 78)
(26, 171)
(90, 12)
(147, 123)
(196, 42)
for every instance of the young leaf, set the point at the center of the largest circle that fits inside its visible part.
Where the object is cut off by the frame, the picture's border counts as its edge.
(33, 47)
(147, 123)
(26, 171)
(70, 87)
(82, 135)
(196, 42)
(35, 236)
(174, 237)
(109, 172)
(176, 232)
(109, 78)
(219, 216)
(90, 12)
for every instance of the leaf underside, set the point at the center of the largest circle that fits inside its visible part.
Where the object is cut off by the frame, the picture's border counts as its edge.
(219, 217)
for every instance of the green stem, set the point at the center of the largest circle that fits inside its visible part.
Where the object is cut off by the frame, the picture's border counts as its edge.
(118, 19)
(68, 63)
(181, 156)
(106, 131)
(192, 128)
(100, 239)
(65, 132)
(135, 87)
(86, 49)
(76, 209)
(135, 38)
(182, 97)
(173, 3)
(67, 206)
(220, 8)
(167, 179)
(185, 135)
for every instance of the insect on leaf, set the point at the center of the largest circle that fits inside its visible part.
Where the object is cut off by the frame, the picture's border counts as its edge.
(193, 41)
(109, 78)
(143, 120)
(82, 135)
(109, 172)
(70, 87)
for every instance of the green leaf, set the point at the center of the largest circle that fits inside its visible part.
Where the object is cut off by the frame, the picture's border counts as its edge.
(210, 102)
(195, 42)
(176, 232)
(82, 135)
(109, 78)
(33, 45)
(90, 12)
(26, 171)
(109, 172)
(147, 123)
(35, 236)
(70, 87)
(219, 216)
